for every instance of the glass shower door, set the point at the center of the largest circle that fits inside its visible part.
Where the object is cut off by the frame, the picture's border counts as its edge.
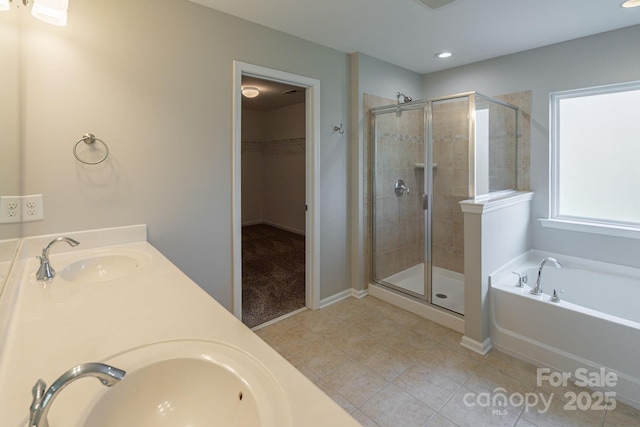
(398, 218)
(496, 146)
(449, 142)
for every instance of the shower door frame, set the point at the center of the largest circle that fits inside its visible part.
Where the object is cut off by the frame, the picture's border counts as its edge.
(396, 108)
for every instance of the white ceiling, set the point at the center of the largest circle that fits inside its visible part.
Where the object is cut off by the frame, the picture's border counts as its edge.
(408, 34)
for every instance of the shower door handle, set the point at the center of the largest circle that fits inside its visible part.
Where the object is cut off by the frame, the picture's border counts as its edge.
(425, 202)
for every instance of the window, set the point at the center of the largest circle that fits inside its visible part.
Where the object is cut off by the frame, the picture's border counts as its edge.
(595, 159)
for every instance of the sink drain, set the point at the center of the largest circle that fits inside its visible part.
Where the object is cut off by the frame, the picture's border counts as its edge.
(443, 296)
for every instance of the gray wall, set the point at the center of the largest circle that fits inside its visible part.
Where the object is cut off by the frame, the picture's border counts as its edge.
(591, 61)
(153, 78)
(9, 114)
(375, 77)
(380, 78)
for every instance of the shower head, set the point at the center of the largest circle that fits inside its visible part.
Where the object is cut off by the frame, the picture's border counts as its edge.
(405, 98)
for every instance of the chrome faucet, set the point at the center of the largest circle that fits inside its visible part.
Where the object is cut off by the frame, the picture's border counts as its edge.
(108, 376)
(538, 289)
(522, 279)
(555, 297)
(46, 272)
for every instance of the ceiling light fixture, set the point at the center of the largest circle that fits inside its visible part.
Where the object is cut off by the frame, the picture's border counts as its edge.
(6, 4)
(631, 3)
(50, 11)
(443, 55)
(250, 92)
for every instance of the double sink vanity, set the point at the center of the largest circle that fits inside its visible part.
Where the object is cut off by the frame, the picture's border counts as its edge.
(116, 309)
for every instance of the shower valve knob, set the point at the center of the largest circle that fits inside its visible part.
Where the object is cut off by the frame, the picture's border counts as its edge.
(400, 189)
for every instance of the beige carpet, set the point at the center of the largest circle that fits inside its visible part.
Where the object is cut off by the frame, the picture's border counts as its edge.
(273, 279)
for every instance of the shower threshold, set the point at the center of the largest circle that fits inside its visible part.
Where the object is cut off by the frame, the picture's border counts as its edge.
(448, 286)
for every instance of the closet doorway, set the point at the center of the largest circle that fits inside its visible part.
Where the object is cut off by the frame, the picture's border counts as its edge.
(274, 185)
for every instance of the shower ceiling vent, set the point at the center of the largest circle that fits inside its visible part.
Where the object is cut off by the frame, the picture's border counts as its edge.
(434, 4)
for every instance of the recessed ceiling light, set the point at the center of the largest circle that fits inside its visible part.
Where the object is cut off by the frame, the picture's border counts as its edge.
(434, 4)
(631, 3)
(443, 55)
(250, 92)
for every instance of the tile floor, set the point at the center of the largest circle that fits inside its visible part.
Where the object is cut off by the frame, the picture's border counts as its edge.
(388, 367)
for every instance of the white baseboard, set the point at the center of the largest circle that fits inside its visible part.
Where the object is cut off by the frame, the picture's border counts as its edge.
(359, 294)
(342, 296)
(285, 228)
(479, 347)
(335, 298)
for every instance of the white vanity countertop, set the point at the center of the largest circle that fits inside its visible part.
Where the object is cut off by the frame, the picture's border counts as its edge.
(61, 324)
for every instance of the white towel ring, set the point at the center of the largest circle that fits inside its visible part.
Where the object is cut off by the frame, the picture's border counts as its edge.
(90, 138)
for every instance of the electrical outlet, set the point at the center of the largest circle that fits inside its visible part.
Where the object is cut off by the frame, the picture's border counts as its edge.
(32, 208)
(10, 209)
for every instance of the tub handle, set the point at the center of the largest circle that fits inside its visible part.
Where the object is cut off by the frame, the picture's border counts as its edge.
(522, 279)
(555, 297)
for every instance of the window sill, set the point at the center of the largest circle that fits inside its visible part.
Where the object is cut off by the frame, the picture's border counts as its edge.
(589, 227)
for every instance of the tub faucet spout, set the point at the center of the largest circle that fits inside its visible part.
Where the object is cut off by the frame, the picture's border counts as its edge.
(42, 400)
(538, 289)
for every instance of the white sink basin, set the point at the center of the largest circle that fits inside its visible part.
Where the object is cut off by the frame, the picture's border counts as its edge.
(103, 267)
(190, 383)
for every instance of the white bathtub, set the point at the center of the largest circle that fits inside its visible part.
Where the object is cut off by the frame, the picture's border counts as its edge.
(595, 325)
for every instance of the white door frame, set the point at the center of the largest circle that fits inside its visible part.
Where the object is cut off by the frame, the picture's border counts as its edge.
(312, 171)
